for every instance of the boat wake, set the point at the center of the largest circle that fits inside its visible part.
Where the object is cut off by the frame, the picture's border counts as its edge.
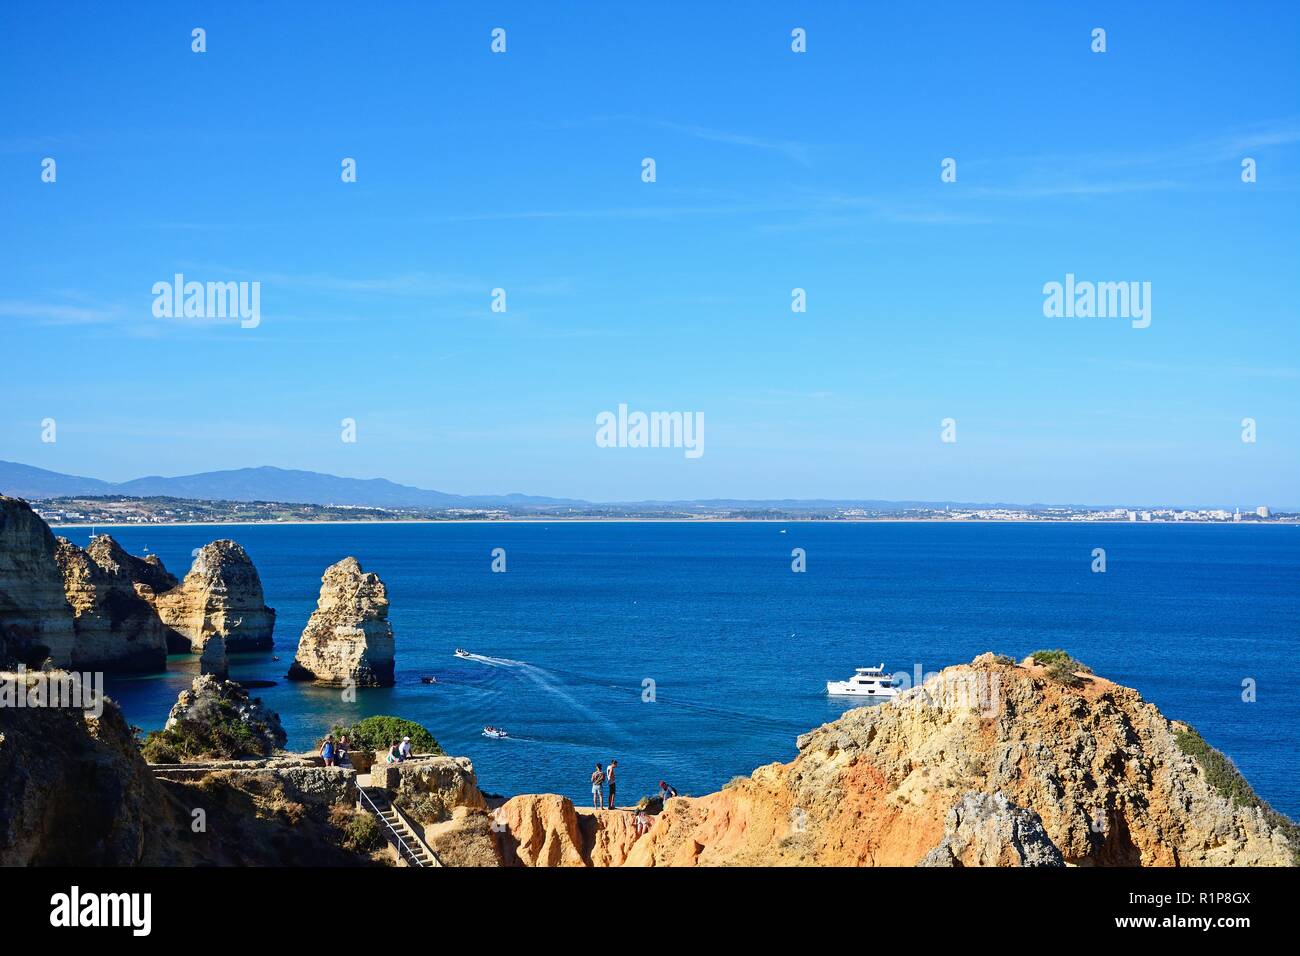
(491, 661)
(543, 680)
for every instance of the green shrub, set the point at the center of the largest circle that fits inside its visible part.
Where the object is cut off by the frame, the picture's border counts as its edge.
(361, 831)
(1061, 667)
(1064, 673)
(379, 733)
(1226, 779)
(227, 739)
(1047, 658)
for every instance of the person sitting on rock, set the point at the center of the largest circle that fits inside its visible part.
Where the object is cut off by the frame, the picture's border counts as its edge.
(665, 792)
(327, 751)
(404, 751)
(642, 822)
(394, 753)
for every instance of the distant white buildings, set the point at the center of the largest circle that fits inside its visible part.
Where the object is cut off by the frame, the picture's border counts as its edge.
(1262, 511)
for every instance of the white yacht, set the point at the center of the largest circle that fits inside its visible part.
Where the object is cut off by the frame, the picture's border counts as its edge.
(865, 682)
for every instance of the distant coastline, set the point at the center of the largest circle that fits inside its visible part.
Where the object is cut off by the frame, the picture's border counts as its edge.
(525, 519)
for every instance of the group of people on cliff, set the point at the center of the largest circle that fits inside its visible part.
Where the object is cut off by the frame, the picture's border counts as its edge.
(604, 776)
(335, 754)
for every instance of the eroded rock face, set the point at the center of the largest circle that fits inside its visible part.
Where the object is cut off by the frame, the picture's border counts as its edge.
(348, 638)
(1099, 766)
(221, 594)
(548, 830)
(36, 622)
(431, 788)
(989, 830)
(115, 628)
(211, 700)
(74, 790)
(213, 660)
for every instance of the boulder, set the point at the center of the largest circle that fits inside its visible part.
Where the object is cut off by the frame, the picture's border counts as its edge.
(221, 594)
(36, 622)
(989, 830)
(116, 629)
(348, 640)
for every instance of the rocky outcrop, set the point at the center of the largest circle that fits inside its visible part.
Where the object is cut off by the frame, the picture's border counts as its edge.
(429, 789)
(147, 573)
(36, 623)
(547, 830)
(73, 789)
(221, 594)
(75, 792)
(213, 660)
(989, 830)
(212, 706)
(348, 639)
(115, 628)
(1101, 768)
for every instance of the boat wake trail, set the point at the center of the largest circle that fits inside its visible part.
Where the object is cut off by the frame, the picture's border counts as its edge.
(493, 661)
(544, 681)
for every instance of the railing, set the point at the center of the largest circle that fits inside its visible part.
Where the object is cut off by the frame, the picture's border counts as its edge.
(402, 844)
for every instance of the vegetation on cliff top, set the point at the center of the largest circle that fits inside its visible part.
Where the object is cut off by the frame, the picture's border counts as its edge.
(380, 732)
(1223, 776)
(360, 830)
(1061, 667)
(222, 735)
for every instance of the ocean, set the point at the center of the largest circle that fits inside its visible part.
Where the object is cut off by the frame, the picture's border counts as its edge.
(739, 647)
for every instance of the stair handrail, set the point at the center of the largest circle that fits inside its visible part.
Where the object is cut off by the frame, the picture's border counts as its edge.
(415, 860)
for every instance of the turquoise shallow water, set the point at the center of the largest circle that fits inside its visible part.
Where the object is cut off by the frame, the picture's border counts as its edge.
(740, 647)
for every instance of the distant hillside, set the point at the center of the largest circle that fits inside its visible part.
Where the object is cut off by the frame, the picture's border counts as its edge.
(259, 484)
(24, 481)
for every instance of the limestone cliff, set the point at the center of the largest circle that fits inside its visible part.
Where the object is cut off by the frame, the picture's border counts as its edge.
(348, 638)
(221, 594)
(73, 789)
(36, 622)
(1096, 767)
(989, 764)
(116, 629)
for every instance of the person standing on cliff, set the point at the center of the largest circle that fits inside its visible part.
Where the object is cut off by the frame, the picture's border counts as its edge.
(598, 787)
(609, 775)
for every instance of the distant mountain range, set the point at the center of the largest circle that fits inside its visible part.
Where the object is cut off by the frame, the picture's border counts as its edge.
(289, 486)
(259, 484)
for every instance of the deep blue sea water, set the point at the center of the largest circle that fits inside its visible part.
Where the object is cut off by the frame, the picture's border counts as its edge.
(739, 646)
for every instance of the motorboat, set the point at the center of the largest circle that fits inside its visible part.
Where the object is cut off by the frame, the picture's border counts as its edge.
(865, 682)
(461, 652)
(494, 732)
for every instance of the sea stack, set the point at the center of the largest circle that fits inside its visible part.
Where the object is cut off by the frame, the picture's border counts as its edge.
(115, 628)
(222, 594)
(348, 639)
(213, 660)
(36, 623)
(213, 706)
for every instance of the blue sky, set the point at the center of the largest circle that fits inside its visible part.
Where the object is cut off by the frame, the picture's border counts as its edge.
(775, 170)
